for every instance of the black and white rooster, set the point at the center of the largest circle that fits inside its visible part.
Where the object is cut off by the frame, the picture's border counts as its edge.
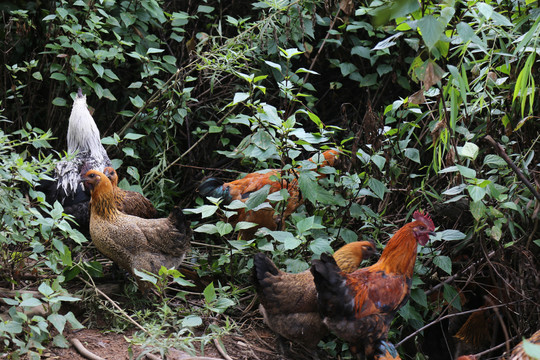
(85, 152)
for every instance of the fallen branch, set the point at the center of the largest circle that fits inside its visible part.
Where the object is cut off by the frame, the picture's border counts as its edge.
(221, 351)
(84, 351)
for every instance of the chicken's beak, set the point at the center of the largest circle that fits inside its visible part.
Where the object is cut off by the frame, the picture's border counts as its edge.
(432, 233)
(83, 179)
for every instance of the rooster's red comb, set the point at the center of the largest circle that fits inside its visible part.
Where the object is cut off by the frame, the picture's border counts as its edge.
(425, 218)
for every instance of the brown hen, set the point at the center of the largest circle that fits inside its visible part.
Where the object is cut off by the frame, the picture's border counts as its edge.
(130, 202)
(360, 306)
(289, 301)
(133, 242)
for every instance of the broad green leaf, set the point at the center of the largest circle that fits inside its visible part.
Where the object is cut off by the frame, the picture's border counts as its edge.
(443, 262)
(45, 289)
(419, 296)
(58, 321)
(209, 293)
(494, 161)
(531, 349)
(450, 235)
(478, 210)
(469, 150)
(30, 302)
(192, 321)
(223, 228)
(378, 187)
(451, 296)
(207, 229)
(431, 30)
(466, 172)
(288, 240)
(256, 198)
(412, 154)
(476, 193)
(239, 97)
(75, 324)
(320, 245)
(133, 136)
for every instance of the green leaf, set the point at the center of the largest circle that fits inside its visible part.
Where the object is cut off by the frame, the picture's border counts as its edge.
(478, 210)
(30, 302)
(146, 277)
(99, 69)
(531, 349)
(443, 262)
(207, 229)
(419, 296)
(192, 321)
(468, 150)
(476, 193)
(320, 245)
(256, 198)
(133, 136)
(58, 101)
(59, 341)
(45, 289)
(239, 97)
(137, 101)
(75, 324)
(450, 235)
(58, 321)
(273, 65)
(288, 240)
(377, 187)
(223, 228)
(451, 296)
(58, 76)
(494, 161)
(412, 154)
(466, 172)
(431, 30)
(209, 293)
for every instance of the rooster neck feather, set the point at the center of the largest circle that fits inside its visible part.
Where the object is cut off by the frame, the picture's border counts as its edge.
(399, 255)
(103, 202)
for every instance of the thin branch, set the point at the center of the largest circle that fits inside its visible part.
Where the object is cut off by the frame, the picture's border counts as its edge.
(450, 316)
(498, 148)
(117, 307)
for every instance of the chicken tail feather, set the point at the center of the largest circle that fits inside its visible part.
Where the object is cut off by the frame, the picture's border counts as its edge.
(214, 187)
(263, 265)
(333, 295)
(178, 219)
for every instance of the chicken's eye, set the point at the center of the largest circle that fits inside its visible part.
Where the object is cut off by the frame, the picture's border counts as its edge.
(91, 175)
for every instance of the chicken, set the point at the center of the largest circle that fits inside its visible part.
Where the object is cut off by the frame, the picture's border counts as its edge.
(475, 334)
(84, 145)
(289, 301)
(360, 306)
(130, 202)
(242, 188)
(519, 353)
(133, 242)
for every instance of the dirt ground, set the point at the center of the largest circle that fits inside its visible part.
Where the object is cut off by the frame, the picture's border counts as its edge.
(259, 344)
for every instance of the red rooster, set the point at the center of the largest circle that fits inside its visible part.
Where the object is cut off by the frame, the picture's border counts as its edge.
(242, 188)
(289, 301)
(360, 306)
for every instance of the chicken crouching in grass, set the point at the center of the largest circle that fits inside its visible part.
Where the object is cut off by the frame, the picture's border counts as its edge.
(242, 188)
(359, 307)
(84, 146)
(133, 242)
(288, 302)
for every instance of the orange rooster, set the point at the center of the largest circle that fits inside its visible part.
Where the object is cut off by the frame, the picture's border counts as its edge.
(242, 188)
(360, 306)
(130, 202)
(133, 242)
(289, 301)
